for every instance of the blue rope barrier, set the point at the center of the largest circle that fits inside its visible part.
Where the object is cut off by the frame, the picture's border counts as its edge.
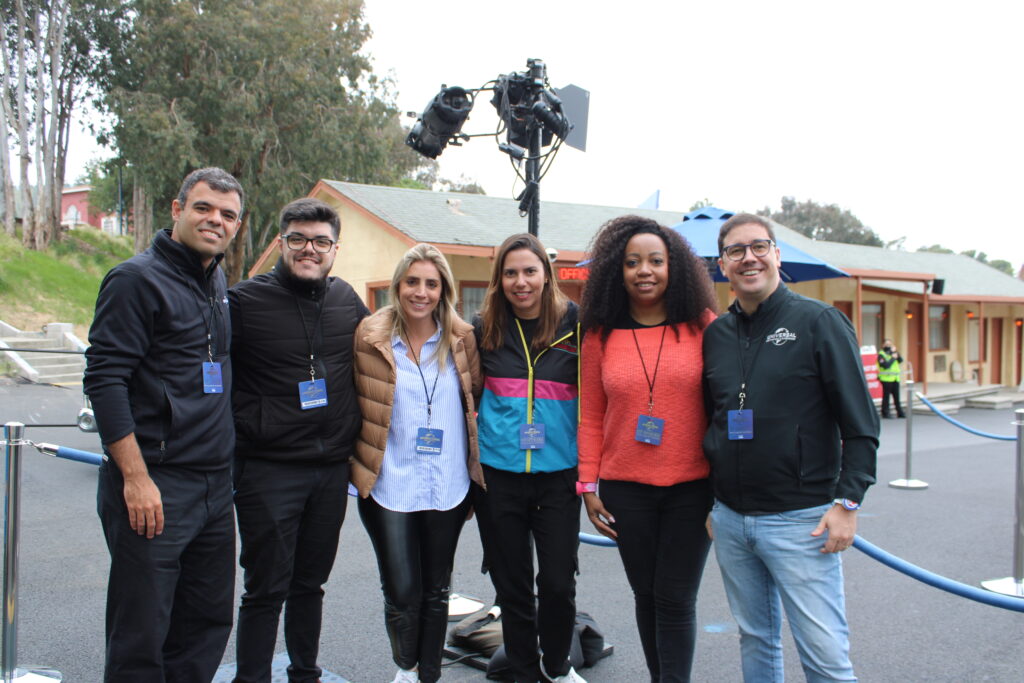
(941, 582)
(961, 425)
(593, 539)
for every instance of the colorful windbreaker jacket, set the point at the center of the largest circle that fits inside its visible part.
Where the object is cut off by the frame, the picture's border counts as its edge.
(504, 405)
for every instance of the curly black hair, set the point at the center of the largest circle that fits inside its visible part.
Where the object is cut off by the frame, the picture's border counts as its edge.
(689, 293)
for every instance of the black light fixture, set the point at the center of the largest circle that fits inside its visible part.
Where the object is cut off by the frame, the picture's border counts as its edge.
(441, 122)
(533, 114)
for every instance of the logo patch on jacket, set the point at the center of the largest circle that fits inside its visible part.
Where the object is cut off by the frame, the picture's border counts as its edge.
(780, 337)
(566, 346)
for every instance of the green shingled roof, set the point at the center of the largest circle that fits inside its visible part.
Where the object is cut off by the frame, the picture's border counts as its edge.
(479, 220)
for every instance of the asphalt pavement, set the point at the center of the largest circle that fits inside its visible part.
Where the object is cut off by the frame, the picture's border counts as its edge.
(960, 527)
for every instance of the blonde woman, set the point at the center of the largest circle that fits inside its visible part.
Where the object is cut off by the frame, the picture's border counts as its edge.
(416, 372)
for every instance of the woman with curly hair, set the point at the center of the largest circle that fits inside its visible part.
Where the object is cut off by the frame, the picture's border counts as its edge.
(643, 475)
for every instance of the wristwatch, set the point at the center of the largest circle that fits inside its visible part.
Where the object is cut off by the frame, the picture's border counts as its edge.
(585, 487)
(846, 503)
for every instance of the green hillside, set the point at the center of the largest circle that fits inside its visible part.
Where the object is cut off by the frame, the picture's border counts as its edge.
(59, 284)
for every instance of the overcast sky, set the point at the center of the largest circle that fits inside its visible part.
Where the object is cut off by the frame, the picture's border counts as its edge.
(910, 114)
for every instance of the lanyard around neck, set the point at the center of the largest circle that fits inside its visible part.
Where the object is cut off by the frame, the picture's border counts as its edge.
(430, 395)
(651, 379)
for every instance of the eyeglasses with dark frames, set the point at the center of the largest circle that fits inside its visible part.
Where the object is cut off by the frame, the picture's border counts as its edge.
(759, 248)
(297, 242)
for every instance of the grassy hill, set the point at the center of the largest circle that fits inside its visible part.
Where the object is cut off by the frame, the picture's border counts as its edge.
(59, 284)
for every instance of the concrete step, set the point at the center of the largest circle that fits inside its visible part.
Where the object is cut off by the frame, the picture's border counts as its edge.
(948, 407)
(31, 342)
(67, 378)
(54, 360)
(993, 402)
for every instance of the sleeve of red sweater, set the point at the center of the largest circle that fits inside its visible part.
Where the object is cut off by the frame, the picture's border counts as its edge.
(590, 436)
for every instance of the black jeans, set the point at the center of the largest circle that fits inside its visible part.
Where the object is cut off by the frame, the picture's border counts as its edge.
(891, 389)
(663, 544)
(515, 508)
(289, 520)
(415, 552)
(170, 597)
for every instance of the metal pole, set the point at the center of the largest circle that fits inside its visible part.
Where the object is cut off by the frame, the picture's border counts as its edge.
(1014, 585)
(533, 176)
(14, 433)
(907, 482)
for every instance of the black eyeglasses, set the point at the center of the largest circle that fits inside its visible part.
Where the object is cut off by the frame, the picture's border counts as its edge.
(759, 248)
(296, 242)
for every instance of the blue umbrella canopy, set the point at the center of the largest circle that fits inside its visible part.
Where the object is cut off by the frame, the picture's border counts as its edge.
(700, 228)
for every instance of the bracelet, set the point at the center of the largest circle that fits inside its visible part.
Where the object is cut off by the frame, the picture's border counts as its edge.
(585, 487)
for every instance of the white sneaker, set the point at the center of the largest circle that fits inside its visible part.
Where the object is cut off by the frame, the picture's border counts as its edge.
(404, 676)
(571, 677)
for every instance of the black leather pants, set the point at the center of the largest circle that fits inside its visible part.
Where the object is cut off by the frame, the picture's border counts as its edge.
(415, 552)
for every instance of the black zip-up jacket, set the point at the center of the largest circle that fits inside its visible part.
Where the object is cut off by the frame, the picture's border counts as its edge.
(144, 365)
(815, 426)
(271, 349)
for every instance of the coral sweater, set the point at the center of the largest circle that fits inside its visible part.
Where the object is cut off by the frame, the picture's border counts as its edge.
(614, 394)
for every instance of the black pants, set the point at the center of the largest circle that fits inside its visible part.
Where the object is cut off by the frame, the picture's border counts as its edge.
(515, 508)
(663, 544)
(891, 389)
(289, 520)
(170, 598)
(415, 552)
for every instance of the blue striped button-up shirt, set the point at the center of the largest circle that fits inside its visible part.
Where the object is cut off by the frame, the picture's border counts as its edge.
(410, 481)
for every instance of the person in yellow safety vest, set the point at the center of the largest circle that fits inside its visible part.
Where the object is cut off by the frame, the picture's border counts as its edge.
(889, 360)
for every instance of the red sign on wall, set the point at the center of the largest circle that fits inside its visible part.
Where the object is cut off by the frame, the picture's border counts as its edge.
(573, 273)
(869, 359)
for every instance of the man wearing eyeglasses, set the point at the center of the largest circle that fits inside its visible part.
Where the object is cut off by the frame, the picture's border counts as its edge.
(792, 438)
(296, 419)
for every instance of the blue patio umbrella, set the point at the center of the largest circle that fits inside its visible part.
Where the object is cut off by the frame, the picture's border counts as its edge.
(700, 228)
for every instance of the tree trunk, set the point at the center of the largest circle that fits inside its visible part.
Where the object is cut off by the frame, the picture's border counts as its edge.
(24, 150)
(6, 123)
(142, 211)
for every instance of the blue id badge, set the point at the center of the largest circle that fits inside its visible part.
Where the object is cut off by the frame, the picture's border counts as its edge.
(531, 436)
(741, 425)
(649, 429)
(213, 382)
(312, 394)
(428, 441)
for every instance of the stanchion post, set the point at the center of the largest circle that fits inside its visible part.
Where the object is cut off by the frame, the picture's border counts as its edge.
(907, 482)
(14, 435)
(1014, 585)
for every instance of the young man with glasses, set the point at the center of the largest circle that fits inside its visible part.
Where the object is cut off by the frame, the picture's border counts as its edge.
(297, 419)
(792, 438)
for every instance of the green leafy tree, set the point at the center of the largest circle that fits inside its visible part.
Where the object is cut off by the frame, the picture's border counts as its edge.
(700, 204)
(823, 222)
(998, 264)
(273, 91)
(936, 249)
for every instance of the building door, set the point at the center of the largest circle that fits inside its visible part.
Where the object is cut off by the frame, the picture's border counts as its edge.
(996, 357)
(915, 339)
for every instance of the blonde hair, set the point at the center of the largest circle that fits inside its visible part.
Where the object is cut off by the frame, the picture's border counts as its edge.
(445, 313)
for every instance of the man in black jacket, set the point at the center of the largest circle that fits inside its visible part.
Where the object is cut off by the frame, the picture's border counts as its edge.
(791, 440)
(158, 372)
(297, 420)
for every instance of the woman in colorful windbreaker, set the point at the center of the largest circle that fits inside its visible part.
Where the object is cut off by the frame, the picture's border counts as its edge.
(528, 340)
(647, 302)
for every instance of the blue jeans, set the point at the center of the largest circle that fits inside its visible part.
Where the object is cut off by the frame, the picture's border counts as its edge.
(770, 563)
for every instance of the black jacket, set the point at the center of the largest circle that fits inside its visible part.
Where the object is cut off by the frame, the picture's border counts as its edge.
(144, 364)
(271, 349)
(815, 426)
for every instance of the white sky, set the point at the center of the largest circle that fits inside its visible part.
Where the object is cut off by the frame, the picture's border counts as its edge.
(910, 114)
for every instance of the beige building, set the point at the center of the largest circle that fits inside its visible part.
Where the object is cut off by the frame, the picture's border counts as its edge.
(954, 318)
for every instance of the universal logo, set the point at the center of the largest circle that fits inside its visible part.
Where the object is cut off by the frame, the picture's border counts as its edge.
(780, 337)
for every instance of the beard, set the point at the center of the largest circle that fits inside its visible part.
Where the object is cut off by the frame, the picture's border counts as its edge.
(300, 283)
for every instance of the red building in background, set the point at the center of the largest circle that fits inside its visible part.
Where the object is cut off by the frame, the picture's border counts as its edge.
(75, 212)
